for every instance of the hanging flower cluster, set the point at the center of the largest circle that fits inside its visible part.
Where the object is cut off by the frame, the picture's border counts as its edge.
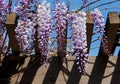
(25, 28)
(44, 27)
(60, 17)
(100, 28)
(3, 13)
(79, 38)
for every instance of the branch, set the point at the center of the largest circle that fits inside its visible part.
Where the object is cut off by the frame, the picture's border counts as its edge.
(87, 5)
(68, 4)
(109, 8)
(9, 5)
(52, 43)
(7, 49)
(104, 4)
(94, 48)
(95, 40)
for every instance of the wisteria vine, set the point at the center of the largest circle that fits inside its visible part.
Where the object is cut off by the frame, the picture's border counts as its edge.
(60, 17)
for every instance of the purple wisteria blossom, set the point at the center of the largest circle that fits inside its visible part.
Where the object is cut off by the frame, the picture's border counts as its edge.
(3, 13)
(78, 26)
(100, 28)
(44, 28)
(25, 27)
(60, 17)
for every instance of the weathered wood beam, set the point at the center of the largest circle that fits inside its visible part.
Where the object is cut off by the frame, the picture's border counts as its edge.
(89, 28)
(100, 76)
(117, 40)
(10, 26)
(36, 46)
(62, 43)
(112, 26)
(116, 73)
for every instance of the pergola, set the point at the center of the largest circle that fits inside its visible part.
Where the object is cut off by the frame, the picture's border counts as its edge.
(102, 69)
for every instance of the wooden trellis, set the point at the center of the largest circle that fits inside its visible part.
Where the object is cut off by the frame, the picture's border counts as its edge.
(101, 69)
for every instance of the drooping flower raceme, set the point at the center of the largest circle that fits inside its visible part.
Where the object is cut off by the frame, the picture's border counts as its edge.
(60, 16)
(44, 27)
(100, 28)
(79, 39)
(3, 13)
(24, 35)
(25, 28)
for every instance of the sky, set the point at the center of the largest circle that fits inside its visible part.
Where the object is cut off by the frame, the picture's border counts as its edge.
(76, 4)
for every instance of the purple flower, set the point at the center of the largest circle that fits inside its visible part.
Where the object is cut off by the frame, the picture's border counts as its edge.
(25, 27)
(78, 27)
(60, 17)
(100, 28)
(3, 13)
(44, 28)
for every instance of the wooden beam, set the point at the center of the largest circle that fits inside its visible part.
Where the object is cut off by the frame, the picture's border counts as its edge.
(37, 50)
(10, 26)
(117, 39)
(112, 26)
(101, 74)
(62, 43)
(89, 28)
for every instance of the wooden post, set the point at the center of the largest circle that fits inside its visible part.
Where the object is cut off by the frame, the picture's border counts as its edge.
(112, 26)
(117, 39)
(37, 50)
(62, 44)
(10, 26)
(89, 28)
(0, 58)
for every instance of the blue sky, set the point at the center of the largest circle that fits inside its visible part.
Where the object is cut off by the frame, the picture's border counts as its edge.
(76, 4)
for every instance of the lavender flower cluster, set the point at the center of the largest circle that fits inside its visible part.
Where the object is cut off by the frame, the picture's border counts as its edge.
(100, 28)
(44, 27)
(60, 17)
(25, 27)
(79, 39)
(3, 13)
